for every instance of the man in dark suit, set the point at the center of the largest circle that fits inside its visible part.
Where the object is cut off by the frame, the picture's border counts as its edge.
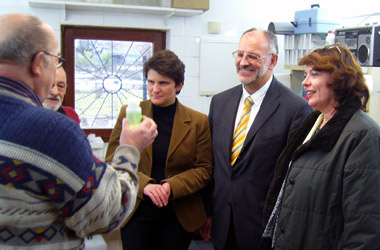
(240, 187)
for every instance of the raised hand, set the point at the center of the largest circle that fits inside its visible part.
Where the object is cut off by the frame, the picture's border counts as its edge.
(140, 137)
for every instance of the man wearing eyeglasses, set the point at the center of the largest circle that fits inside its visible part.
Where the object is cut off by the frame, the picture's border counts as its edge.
(53, 191)
(249, 124)
(56, 95)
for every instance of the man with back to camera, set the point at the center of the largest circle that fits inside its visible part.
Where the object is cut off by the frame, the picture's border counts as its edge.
(56, 95)
(248, 136)
(53, 191)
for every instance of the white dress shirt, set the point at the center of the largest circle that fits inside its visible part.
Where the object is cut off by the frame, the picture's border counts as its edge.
(257, 98)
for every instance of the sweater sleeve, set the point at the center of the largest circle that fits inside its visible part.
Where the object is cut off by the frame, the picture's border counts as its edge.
(52, 181)
(91, 196)
(114, 199)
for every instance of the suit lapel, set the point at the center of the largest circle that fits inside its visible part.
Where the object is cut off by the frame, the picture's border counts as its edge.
(181, 127)
(267, 108)
(230, 108)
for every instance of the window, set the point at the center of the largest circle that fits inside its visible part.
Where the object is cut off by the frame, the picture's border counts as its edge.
(104, 70)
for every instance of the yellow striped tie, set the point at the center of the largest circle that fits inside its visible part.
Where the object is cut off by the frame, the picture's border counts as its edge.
(241, 130)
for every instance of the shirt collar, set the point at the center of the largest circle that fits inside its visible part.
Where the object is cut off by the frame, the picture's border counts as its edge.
(259, 95)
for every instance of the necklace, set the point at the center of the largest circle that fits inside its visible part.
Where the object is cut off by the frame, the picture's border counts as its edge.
(324, 117)
(324, 121)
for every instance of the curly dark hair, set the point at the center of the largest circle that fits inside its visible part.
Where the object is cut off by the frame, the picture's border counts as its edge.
(166, 63)
(348, 79)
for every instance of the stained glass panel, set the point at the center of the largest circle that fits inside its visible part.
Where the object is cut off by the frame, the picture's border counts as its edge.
(107, 74)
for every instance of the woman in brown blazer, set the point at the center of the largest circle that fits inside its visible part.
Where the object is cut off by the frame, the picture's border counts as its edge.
(174, 169)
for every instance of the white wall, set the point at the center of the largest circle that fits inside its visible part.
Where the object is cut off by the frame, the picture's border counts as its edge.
(184, 33)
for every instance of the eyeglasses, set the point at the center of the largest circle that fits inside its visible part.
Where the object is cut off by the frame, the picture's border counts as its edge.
(61, 60)
(61, 86)
(250, 56)
(336, 47)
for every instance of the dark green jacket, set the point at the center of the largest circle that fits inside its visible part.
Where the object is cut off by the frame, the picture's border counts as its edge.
(332, 192)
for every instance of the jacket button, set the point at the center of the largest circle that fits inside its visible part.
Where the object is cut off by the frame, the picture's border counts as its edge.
(233, 179)
(170, 160)
(282, 230)
(291, 181)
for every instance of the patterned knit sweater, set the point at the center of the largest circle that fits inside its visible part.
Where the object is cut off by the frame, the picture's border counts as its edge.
(53, 192)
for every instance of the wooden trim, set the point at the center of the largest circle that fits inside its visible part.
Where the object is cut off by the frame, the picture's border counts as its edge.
(68, 35)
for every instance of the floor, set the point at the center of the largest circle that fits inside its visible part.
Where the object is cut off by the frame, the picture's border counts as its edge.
(199, 244)
(97, 243)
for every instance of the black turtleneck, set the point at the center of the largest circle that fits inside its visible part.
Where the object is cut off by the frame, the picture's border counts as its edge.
(164, 117)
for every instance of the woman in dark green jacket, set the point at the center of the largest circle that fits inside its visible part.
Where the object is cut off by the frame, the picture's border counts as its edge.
(326, 190)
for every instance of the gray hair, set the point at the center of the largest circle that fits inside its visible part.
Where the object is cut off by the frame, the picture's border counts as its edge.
(26, 40)
(272, 38)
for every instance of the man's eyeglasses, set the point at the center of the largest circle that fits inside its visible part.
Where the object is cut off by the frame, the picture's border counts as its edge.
(61, 60)
(250, 56)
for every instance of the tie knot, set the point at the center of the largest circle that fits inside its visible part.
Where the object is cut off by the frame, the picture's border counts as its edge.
(248, 101)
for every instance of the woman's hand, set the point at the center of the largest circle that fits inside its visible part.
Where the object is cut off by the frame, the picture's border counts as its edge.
(159, 194)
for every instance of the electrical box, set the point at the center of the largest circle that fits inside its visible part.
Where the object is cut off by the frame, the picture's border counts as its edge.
(191, 4)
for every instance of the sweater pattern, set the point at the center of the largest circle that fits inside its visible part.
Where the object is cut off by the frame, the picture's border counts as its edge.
(50, 192)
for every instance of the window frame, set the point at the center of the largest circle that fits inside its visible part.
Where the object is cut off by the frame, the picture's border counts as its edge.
(70, 32)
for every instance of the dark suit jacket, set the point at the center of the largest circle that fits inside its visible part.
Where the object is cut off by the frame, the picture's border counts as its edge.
(188, 165)
(242, 188)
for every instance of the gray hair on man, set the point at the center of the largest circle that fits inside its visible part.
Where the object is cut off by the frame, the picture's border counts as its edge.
(19, 45)
(272, 38)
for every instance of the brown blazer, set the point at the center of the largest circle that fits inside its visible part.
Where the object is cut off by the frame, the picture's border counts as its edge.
(188, 166)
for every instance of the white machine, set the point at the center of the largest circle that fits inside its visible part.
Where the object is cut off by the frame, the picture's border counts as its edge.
(364, 43)
(372, 75)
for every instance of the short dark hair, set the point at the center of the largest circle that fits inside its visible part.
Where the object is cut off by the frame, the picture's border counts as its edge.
(166, 63)
(348, 79)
